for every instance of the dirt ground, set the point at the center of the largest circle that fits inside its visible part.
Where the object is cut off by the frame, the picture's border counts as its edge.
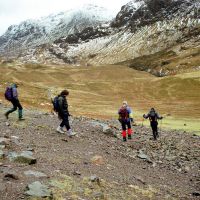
(171, 171)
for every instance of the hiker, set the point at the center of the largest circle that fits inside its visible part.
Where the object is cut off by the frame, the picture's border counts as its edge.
(153, 117)
(63, 113)
(11, 95)
(125, 118)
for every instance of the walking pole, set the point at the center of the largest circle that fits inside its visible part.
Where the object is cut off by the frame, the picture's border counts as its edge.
(142, 121)
(160, 126)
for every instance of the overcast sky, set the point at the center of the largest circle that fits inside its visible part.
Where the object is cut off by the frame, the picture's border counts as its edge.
(15, 11)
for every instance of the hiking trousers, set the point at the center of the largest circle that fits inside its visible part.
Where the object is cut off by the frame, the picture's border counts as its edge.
(154, 126)
(65, 121)
(16, 104)
(124, 124)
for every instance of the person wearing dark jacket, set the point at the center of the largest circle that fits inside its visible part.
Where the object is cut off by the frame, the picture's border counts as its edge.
(15, 102)
(63, 113)
(153, 118)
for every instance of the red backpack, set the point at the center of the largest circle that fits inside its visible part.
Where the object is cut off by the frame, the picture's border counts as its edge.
(123, 112)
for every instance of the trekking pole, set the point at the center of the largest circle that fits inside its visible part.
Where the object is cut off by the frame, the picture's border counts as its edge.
(142, 121)
(160, 126)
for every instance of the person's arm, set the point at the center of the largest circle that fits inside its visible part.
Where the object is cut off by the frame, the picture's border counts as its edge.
(146, 116)
(66, 105)
(130, 114)
(14, 93)
(158, 116)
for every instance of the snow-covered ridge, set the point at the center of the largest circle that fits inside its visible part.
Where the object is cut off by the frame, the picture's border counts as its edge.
(142, 27)
(48, 29)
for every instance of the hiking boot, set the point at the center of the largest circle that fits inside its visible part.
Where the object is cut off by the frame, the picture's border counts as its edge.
(124, 139)
(129, 137)
(60, 130)
(70, 133)
(21, 119)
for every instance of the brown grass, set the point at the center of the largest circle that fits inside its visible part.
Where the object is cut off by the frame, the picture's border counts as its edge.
(99, 91)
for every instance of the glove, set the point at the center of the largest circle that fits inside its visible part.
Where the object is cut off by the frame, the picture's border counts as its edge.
(144, 115)
(131, 119)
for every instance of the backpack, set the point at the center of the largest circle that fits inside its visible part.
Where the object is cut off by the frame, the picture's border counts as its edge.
(124, 113)
(152, 116)
(55, 103)
(9, 94)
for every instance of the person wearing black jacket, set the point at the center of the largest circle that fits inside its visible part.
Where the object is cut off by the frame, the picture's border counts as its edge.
(153, 118)
(63, 113)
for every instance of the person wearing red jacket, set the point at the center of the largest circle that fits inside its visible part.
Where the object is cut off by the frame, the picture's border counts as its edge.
(125, 118)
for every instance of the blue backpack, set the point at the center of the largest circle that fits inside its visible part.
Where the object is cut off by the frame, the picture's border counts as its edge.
(9, 94)
(55, 103)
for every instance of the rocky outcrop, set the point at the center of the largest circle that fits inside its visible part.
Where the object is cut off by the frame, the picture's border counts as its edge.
(139, 13)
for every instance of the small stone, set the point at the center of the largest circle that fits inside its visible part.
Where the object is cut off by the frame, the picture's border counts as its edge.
(196, 194)
(97, 160)
(95, 178)
(15, 140)
(2, 155)
(2, 146)
(98, 195)
(4, 141)
(76, 173)
(107, 130)
(7, 124)
(10, 175)
(35, 173)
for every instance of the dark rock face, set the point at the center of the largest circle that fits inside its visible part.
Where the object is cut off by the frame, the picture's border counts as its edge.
(151, 11)
(86, 34)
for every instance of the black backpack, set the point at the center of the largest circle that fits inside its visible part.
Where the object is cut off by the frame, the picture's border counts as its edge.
(152, 115)
(55, 103)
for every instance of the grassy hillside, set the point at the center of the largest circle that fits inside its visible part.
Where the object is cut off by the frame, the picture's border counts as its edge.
(99, 91)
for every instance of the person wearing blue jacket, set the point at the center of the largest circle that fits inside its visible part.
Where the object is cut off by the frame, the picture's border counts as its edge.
(125, 118)
(15, 102)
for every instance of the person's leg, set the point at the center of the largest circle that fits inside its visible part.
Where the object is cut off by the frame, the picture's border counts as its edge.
(124, 130)
(129, 130)
(153, 126)
(60, 128)
(20, 109)
(66, 121)
(12, 109)
(156, 130)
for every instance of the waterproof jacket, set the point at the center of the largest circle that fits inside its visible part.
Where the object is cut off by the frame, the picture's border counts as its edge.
(14, 91)
(125, 114)
(63, 106)
(153, 116)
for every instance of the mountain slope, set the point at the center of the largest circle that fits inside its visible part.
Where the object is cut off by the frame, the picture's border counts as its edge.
(32, 33)
(141, 28)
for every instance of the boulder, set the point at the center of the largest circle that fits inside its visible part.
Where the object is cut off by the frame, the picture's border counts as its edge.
(24, 157)
(37, 189)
